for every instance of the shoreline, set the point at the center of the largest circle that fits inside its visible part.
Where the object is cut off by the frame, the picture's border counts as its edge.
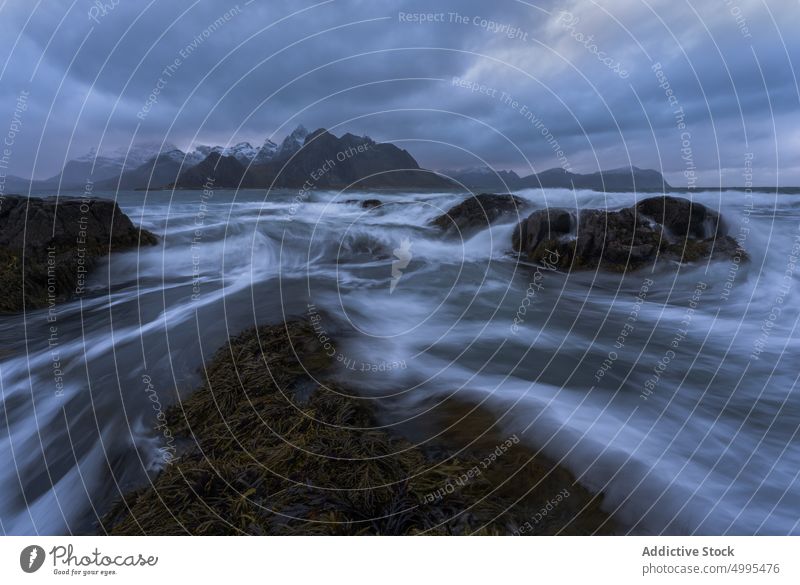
(274, 451)
(487, 189)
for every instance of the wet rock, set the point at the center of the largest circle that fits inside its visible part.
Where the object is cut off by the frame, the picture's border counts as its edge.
(365, 204)
(668, 228)
(52, 244)
(682, 217)
(371, 203)
(542, 225)
(269, 429)
(478, 212)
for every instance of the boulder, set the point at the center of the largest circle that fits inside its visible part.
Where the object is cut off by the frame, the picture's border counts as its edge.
(545, 224)
(668, 228)
(682, 217)
(371, 203)
(51, 244)
(478, 212)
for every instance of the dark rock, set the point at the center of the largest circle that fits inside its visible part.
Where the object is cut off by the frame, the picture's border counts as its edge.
(659, 228)
(54, 243)
(365, 204)
(478, 212)
(540, 225)
(682, 217)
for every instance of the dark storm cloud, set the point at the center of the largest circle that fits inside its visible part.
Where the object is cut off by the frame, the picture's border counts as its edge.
(585, 80)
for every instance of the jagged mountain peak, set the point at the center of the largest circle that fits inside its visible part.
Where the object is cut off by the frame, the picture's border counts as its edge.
(293, 142)
(266, 153)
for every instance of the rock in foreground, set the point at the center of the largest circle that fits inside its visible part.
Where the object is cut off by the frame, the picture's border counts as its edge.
(665, 228)
(277, 451)
(478, 212)
(52, 244)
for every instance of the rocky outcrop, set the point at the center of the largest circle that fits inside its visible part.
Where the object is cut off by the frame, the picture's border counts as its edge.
(479, 212)
(660, 228)
(51, 244)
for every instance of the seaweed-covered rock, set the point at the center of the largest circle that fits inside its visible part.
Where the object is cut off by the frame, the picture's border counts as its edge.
(277, 451)
(478, 212)
(668, 228)
(51, 244)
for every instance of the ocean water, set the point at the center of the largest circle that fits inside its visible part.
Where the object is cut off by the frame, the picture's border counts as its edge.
(672, 389)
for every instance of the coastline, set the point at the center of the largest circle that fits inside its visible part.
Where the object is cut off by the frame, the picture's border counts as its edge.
(498, 188)
(274, 449)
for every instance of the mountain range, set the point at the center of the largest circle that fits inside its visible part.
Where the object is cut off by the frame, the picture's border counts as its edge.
(318, 160)
(309, 160)
(621, 179)
(144, 164)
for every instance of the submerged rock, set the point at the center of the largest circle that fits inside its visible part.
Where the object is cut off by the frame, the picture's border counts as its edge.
(669, 228)
(52, 244)
(365, 204)
(371, 203)
(478, 212)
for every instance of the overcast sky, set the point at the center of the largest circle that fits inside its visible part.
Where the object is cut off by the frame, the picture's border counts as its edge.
(697, 87)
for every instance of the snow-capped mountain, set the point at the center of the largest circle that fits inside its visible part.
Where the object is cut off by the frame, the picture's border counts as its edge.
(292, 143)
(105, 165)
(243, 151)
(186, 159)
(125, 165)
(132, 157)
(164, 168)
(267, 152)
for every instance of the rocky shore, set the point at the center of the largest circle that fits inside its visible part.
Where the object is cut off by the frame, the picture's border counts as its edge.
(274, 448)
(49, 246)
(656, 229)
(477, 213)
